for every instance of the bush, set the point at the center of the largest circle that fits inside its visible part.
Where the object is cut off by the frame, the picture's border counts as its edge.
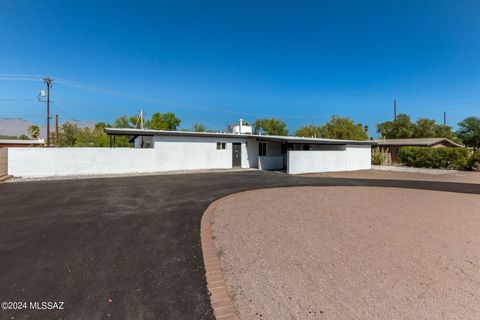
(379, 156)
(474, 161)
(442, 158)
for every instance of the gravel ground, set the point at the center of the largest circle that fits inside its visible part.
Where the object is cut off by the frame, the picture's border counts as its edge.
(444, 176)
(351, 253)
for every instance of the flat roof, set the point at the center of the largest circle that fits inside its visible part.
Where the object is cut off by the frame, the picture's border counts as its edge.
(291, 139)
(427, 142)
(19, 141)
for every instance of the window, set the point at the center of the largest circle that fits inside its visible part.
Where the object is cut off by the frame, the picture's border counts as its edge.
(221, 145)
(262, 149)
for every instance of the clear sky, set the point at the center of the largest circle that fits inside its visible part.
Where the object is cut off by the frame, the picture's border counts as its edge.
(216, 61)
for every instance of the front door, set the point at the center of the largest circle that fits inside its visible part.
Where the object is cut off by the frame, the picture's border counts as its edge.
(236, 154)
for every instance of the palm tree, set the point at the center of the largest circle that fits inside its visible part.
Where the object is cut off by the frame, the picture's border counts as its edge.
(34, 131)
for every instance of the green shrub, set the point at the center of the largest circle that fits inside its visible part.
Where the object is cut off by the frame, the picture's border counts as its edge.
(442, 158)
(379, 156)
(474, 161)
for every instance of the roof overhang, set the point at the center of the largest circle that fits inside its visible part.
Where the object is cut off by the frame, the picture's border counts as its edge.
(22, 142)
(303, 140)
(412, 143)
(287, 139)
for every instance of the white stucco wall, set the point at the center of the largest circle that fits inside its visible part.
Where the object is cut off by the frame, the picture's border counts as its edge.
(359, 157)
(316, 161)
(147, 142)
(169, 154)
(189, 153)
(38, 162)
(172, 153)
(352, 157)
(270, 162)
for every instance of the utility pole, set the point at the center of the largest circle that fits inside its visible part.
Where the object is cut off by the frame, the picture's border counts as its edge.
(444, 118)
(48, 82)
(394, 109)
(141, 119)
(56, 130)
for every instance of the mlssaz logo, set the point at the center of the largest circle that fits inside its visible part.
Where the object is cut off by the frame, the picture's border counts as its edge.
(44, 305)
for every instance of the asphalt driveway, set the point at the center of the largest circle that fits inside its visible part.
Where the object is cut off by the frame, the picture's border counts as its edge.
(124, 248)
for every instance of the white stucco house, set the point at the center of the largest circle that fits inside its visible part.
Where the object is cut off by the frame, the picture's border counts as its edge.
(183, 150)
(160, 151)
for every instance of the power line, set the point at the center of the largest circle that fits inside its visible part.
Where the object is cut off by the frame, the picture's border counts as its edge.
(174, 104)
(98, 89)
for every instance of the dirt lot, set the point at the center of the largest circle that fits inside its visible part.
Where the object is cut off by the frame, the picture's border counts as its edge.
(351, 253)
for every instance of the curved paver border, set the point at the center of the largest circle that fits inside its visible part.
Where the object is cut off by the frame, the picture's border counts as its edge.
(220, 299)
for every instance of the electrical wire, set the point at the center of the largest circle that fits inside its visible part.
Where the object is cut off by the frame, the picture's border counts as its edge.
(98, 89)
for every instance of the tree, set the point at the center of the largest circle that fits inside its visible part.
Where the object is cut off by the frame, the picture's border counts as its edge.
(271, 126)
(198, 127)
(336, 128)
(400, 129)
(68, 135)
(23, 137)
(444, 131)
(309, 131)
(166, 121)
(122, 122)
(34, 131)
(424, 128)
(343, 128)
(469, 132)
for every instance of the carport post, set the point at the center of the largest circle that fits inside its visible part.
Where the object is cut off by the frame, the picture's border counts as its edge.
(110, 140)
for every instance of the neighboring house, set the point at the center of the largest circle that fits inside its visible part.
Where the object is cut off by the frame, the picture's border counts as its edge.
(9, 143)
(392, 146)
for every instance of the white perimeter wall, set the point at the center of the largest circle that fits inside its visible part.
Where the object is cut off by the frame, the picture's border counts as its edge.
(37, 162)
(176, 153)
(270, 162)
(168, 154)
(359, 157)
(353, 157)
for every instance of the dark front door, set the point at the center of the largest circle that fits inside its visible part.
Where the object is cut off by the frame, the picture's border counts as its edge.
(236, 154)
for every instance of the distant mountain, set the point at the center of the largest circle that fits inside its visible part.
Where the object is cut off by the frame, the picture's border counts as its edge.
(18, 126)
(14, 126)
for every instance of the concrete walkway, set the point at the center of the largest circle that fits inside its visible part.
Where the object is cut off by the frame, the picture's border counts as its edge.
(124, 248)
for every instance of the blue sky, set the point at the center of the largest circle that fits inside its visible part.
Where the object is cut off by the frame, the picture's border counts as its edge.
(216, 61)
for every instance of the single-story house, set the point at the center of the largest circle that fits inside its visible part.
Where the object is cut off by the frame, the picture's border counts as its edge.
(160, 151)
(183, 150)
(392, 146)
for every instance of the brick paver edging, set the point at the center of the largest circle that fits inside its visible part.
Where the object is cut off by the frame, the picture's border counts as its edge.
(219, 298)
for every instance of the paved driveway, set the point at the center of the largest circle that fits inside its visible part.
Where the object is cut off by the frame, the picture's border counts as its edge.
(124, 248)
